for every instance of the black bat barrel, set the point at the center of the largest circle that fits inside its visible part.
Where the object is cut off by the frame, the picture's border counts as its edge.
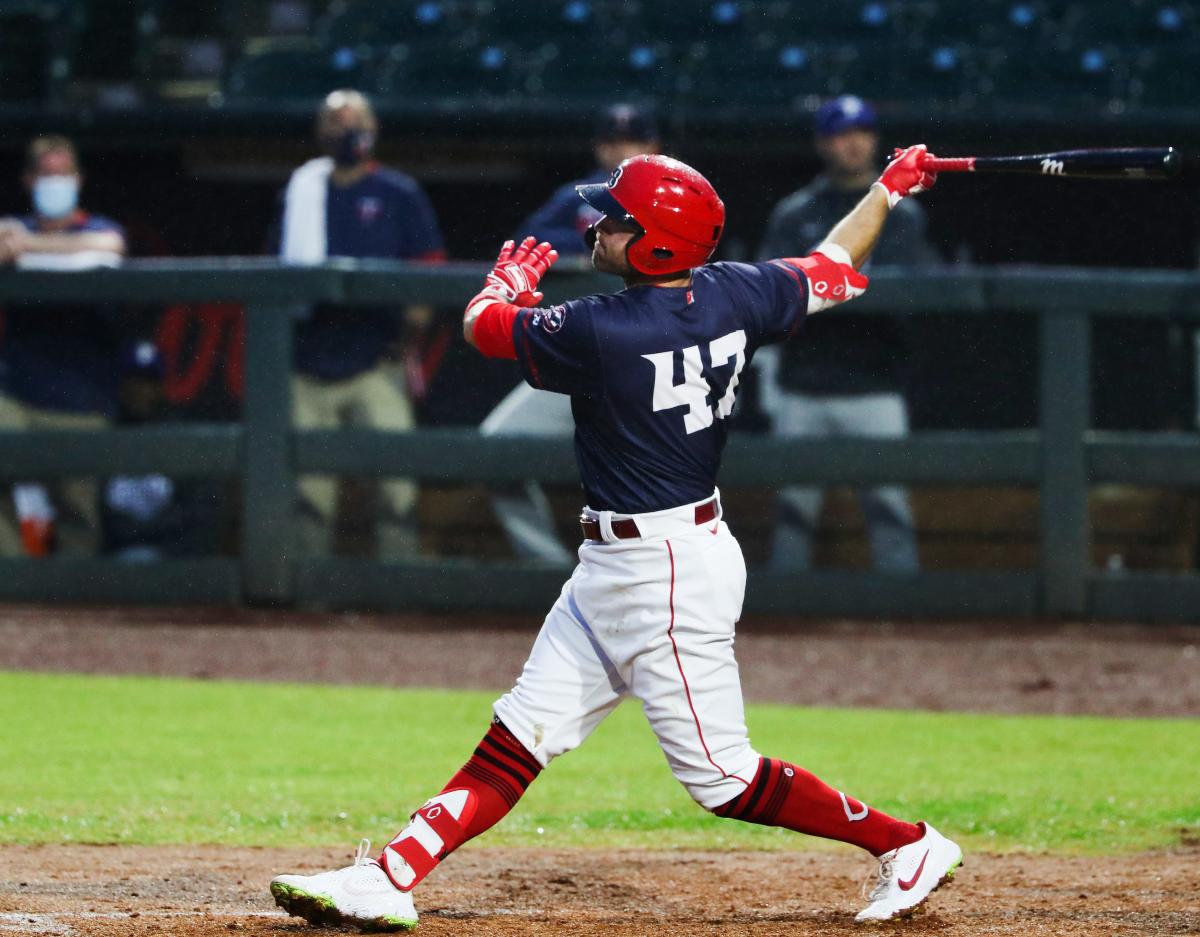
(1160, 162)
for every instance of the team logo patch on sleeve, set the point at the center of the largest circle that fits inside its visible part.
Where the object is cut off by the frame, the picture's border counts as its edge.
(550, 319)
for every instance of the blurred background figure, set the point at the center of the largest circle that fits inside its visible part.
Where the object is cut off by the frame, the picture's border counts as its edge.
(57, 364)
(845, 377)
(153, 517)
(622, 131)
(345, 204)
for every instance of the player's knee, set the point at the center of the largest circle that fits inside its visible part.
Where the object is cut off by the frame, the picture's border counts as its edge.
(715, 788)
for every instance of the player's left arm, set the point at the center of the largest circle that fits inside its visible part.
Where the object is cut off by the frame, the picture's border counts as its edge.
(509, 288)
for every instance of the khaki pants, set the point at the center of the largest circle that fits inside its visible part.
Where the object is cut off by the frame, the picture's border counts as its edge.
(372, 399)
(77, 525)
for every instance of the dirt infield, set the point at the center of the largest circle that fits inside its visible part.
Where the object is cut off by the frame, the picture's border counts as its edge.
(1116, 670)
(106, 891)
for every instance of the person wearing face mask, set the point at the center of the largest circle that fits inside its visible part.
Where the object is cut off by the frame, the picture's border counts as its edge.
(847, 377)
(345, 204)
(57, 364)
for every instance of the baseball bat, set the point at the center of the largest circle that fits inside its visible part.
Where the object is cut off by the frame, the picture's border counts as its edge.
(1154, 162)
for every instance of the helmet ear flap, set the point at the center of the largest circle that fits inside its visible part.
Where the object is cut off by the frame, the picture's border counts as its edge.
(589, 236)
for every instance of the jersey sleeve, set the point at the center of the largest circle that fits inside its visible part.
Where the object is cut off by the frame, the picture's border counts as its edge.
(778, 299)
(558, 350)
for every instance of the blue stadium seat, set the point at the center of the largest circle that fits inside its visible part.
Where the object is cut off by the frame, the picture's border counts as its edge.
(1166, 76)
(291, 73)
(557, 20)
(755, 73)
(631, 71)
(426, 72)
(354, 23)
(1142, 21)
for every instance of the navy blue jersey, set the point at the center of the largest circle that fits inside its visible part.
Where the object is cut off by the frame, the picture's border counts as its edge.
(61, 357)
(385, 214)
(564, 218)
(653, 375)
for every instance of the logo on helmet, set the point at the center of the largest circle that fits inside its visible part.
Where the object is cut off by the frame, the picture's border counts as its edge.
(615, 177)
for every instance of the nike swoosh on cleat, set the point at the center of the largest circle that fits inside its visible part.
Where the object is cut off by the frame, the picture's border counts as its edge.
(907, 885)
(715, 527)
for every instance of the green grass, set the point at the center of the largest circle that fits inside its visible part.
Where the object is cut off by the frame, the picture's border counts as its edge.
(140, 760)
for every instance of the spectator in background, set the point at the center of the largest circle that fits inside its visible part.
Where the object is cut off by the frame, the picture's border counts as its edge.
(345, 204)
(152, 517)
(57, 364)
(845, 377)
(621, 132)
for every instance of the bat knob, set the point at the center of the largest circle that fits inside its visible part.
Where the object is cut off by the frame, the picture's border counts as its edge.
(1172, 162)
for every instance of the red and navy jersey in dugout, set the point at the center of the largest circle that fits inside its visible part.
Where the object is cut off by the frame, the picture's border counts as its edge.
(653, 372)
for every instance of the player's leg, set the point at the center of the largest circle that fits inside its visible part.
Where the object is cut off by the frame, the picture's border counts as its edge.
(523, 510)
(886, 508)
(798, 508)
(691, 693)
(381, 403)
(565, 690)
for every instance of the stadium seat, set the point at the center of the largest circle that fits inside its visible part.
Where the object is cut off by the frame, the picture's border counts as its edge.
(1166, 76)
(426, 72)
(1144, 21)
(635, 70)
(756, 73)
(563, 21)
(269, 72)
(357, 23)
(24, 57)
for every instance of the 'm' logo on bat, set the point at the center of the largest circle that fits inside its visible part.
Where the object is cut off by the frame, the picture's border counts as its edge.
(1052, 167)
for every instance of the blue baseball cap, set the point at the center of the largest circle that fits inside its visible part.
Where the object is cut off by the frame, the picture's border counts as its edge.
(847, 112)
(622, 122)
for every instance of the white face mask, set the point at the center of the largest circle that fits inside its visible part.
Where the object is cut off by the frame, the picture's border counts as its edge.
(55, 196)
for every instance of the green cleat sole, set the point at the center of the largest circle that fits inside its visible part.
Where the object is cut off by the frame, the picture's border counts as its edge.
(320, 909)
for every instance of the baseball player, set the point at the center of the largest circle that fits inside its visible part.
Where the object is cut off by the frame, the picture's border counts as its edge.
(649, 612)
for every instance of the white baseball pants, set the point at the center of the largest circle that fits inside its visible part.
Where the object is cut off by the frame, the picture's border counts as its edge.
(651, 618)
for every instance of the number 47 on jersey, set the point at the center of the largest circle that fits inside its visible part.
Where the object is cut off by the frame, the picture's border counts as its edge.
(726, 351)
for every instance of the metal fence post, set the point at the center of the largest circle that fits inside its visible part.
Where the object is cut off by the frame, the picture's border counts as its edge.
(268, 495)
(1065, 408)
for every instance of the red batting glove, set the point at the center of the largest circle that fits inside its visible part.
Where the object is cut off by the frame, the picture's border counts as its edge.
(906, 174)
(829, 281)
(518, 270)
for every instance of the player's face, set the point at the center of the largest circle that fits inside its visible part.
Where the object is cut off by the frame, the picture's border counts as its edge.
(612, 240)
(851, 152)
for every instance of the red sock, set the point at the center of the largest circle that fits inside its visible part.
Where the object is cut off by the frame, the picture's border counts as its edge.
(499, 772)
(474, 800)
(782, 794)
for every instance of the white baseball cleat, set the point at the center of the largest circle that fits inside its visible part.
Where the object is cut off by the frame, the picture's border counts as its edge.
(909, 874)
(359, 894)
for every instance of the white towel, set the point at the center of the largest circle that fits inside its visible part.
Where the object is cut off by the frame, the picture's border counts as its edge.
(303, 237)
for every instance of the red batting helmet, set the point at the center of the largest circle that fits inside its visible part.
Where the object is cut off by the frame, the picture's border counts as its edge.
(678, 210)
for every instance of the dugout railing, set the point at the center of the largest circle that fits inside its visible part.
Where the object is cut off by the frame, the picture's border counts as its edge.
(1061, 459)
